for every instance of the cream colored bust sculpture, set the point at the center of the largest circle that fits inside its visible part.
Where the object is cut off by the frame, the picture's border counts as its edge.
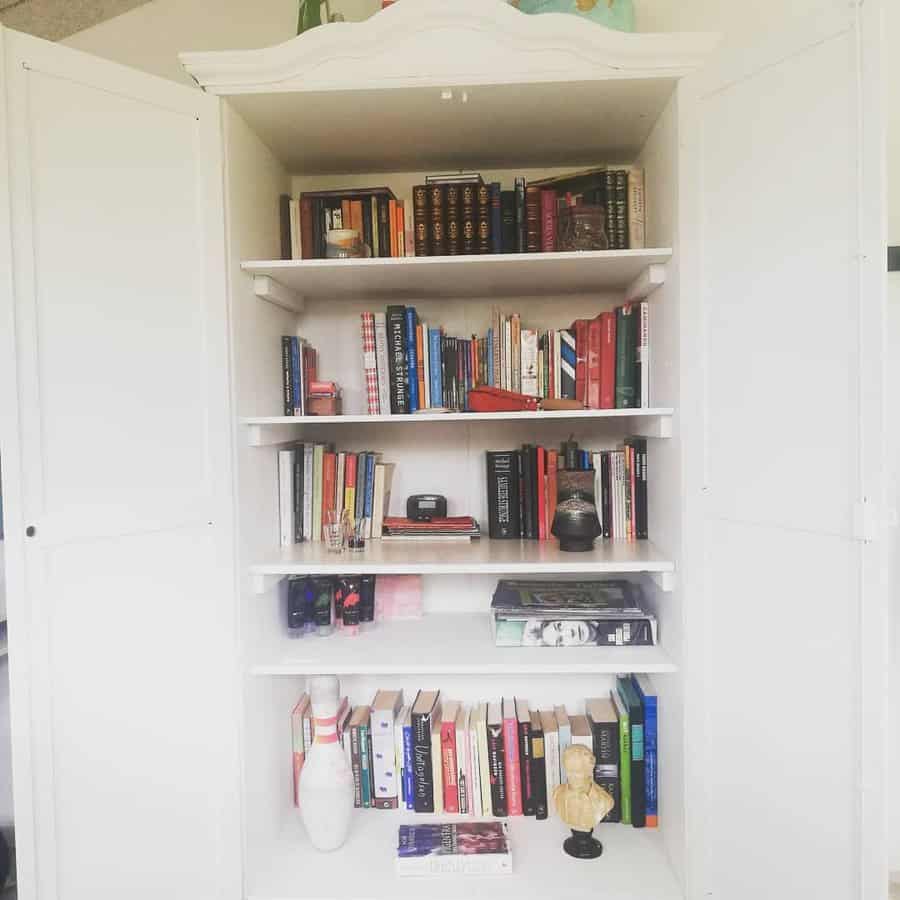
(581, 803)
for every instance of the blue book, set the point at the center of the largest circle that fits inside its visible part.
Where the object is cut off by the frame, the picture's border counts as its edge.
(496, 219)
(370, 485)
(489, 349)
(434, 366)
(650, 702)
(296, 387)
(411, 358)
(408, 774)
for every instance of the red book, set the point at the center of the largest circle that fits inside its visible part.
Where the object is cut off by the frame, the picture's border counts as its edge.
(580, 329)
(306, 228)
(607, 361)
(592, 364)
(552, 465)
(542, 494)
(329, 470)
(449, 766)
(548, 221)
(392, 224)
(511, 758)
(350, 483)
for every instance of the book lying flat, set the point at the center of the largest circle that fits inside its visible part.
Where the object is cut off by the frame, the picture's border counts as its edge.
(570, 632)
(533, 598)
(458, 848)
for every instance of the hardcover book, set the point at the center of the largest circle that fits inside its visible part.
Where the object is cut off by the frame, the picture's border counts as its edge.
(469, 218)
(638, 774)
(483, 199)
(605, 729)
(438, 236)
(503, 494)
(449, 760)
(385, 711)
(550, 728)
(523, 715)
(421, 219)
(538, 767)
(532, 219)
(509, 235)
(454, 218)
(425, 712)
(496, 760)
(399, 373)
(624, 755)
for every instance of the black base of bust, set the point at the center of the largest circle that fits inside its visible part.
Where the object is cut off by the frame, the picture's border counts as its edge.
(576, 545)
(583, 845)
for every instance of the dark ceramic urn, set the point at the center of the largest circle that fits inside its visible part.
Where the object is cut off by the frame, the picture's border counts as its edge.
(575, 522)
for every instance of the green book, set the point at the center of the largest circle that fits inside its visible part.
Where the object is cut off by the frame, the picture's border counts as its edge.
(624, 755)
(365, 762)
(627, 396)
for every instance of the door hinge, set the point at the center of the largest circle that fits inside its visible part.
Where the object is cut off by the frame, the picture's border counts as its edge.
(871, 520)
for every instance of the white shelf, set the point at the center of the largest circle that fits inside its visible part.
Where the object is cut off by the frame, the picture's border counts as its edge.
(450, 644)
(484, 557)
(490, 275)
(651, 422)
(633, 865)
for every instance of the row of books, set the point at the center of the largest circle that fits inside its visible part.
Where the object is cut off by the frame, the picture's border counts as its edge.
(462, 214)
(605, 613)
(314, 479)
(522, 492)
(299, 362)
(601, 363)
(375, 213)
(499, 758)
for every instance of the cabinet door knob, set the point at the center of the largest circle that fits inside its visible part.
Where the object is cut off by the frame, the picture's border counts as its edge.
(31, 531)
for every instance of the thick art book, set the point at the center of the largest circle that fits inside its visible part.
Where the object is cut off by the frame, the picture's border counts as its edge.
(458, 848)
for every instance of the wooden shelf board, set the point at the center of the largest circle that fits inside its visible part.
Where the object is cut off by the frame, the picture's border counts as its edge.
(482, 556)
(450, 644)
(493, 275)
(633, 866)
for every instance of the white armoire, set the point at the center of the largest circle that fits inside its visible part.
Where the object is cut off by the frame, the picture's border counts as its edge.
(141, 307)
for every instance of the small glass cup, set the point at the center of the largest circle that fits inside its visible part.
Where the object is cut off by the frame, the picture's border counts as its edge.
(333, 532)
(356, 533)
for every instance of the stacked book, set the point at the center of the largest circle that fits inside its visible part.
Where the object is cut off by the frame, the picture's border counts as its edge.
(411, 365)
(375, 213)
(570, 614)
(522, 489)
(497, 758)
(462, 214)
(454, 848)
(454, 528)
(314, 479)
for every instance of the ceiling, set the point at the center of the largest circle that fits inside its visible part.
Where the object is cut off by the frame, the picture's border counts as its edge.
(57, 19)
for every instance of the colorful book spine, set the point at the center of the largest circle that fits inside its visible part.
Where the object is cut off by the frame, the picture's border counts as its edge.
(400, 757)
(651, 747)
(548, 221)
(297, 392)
(607, 360)
(408, 766)
(643, 354)
(624, 755)
(449, 765)
(412, 365)
(370, 365)
(511, 758)
(424, 783)
(497, 762)
(463, 767)
(398, 371)
(484, 763)
(538, 767)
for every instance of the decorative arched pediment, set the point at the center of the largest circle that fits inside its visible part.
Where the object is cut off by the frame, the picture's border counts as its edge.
(448, 43)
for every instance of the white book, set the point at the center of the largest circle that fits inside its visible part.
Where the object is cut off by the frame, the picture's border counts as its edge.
(307, 490)
(426, 368)
(286, 496)
(463, 764)
(581, 732)
(530, 362)
(623, 488)
(475, 795)
(381, 364)
(384, 477)
(294, 207)
(596, 459)
(564, 727)
(551, 753)
(643, 353)
(507, 355)
(385, 710)
(483, 760)
(402, 716)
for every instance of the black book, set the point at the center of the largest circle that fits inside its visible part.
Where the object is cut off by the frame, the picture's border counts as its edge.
(538, 767)
(284, 215)
(436, 207)
(638, 775)
(508, 238)
(639, 448)
(298, 494)
(537, 484)
(621, 209)
(483, 239)
(503, 494)
(527, 493)
(526, 772)
(425, 712)
(454, 228)
(384, 226)
(522, 503)
(286, 375)
(605, 494)
(421, 220)
(399, 375)
(496, 763)
(469, 218)
(367, 235)
(570, 453)
(360, 495)
(609, 193)
(520, 214)
(604, 723)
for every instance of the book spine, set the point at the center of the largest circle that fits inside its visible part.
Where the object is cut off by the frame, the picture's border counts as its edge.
(423, 787)
(412, 364)
(636, 209)
(449, 767)
(552, 763)
(469, 218)
(483, 197)
(384, 227)
(581, 328)
(434, 367)
(532, 219)
(284, 216)
(356, 766)
(365, 765)
(625, 766)
(651, 771)
(521, 228)
(421, 220)
(401, 228)
(526, 770)
(370, 365)
(548, 221)
(297, 391)
(436, 196)
(539, 774)
(298, 495)
(463, 772)
(298, 754)
(608, 360)
(286, 496)
(606, 764)
(396, 326)
(625, 357)
(509, 231)
(409, 789)
(529, 362)
(565, 741)
(318, 458)
(382, 363)
(513, 769)
(453, 865)
(609, 196)
(384, 763)
(476, 790)
(567, 361)
(643, 354)
(484, 763)
(497, 768)
(367, 230)
(605, 504)
(454, 228)
(286, 375)
(392, 229)
(621, 209)
(496, 218)
(307, 242)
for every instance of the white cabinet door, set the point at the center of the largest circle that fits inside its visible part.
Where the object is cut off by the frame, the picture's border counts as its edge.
(783, 262)
(122, 596)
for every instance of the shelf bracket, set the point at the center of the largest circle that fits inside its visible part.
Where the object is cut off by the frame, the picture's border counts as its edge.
(665, 581)
(262, 584)
(271, 291)
(646, 283)
(654, 427)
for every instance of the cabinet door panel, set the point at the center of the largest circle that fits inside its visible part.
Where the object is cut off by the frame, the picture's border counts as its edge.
(124, 630)
(782, 360)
